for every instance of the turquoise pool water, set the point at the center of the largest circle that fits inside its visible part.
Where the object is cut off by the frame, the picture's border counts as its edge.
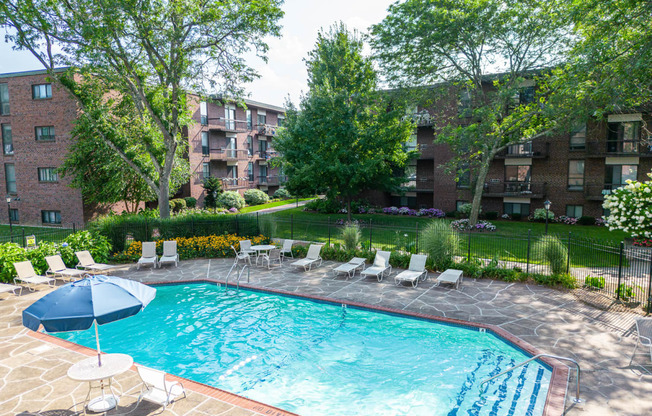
(322, 359)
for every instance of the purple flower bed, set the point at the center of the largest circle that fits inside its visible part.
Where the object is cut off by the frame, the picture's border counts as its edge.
(566, 220)
(429, 212)
(463, 225)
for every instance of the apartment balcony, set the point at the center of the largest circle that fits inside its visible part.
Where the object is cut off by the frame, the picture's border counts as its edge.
(266, 154)
(226, 125)
(426, 150)
(425, 184)
(224, 154)
(266, 129)
(515, 189)
(534, 150)
(422, 119)
(619, 148)
(234, 183)
(597, 192)
(272, 180)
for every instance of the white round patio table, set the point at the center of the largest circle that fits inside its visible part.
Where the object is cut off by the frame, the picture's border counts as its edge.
(260, 248)
(89, 371)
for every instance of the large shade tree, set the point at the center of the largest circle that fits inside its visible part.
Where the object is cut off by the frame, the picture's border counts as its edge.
(345, 137)
(457, 45)
(153, 51)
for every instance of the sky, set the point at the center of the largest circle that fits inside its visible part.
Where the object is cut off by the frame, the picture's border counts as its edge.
(285, 72)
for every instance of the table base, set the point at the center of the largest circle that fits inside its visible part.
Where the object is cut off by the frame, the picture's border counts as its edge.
(102, 404)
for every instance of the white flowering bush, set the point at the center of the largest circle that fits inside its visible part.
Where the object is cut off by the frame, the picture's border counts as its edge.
(630, 208)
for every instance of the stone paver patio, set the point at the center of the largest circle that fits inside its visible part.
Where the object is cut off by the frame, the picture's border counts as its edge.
(33, 371)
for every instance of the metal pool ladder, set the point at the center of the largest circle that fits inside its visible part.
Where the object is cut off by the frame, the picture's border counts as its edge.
(576, 400)
(239, 276)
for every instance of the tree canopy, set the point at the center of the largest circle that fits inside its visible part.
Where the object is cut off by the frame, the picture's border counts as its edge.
(153, 51)
(346, 136)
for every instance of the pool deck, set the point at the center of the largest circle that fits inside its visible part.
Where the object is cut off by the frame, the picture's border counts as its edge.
(33, 368)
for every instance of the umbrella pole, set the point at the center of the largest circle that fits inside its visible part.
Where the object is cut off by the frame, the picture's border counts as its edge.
(97, 338)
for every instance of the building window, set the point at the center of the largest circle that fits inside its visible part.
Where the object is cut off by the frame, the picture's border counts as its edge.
(250, 145)
(4, 99)
(574, 211)
(250, 122)
(575, 175)
(262, 148)
(521, 173)
(204, 143)
(262, 117)
(526, 95)
(262, 172)
(229, 117)
(13, 215)
(51, 217)
(464, 176)
(45, 133)
(623, 137)
(7, 140)
(250, 171)
(206, 170)
(41, 91)
(512, 208)
(47, 175)
(617, 175)
(10, 178)
(203, 113)
(578, 138)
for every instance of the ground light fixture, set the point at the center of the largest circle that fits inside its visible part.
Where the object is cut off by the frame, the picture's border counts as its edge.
(547, 205)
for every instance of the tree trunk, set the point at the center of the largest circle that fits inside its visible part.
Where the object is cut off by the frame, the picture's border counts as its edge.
(164, 197)
(479, 189)
(348, 208)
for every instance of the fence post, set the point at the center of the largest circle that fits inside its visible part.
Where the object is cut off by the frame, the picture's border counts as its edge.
(569, 254)
(649, 289)
(24, 240)
(529, 241)
(620, 268)
(370, 230)
(291, 226)
(237, 226)
(329, 231)
(468, 258)
(258, 224)
(417, 242)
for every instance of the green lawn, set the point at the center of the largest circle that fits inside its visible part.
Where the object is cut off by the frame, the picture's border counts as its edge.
(45, 233)
(255, 208)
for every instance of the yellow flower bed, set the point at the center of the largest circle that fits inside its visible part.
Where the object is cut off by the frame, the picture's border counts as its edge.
(189, 248)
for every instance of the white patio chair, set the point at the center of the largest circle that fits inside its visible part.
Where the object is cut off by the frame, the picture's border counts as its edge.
(5, 287)
(380, 266)
(350, 267)
(157, 389)
(241, 256)
(245, 247)
(58, 269)
(452, 276)
(416, 271)
(287, 248)
(274, 255)
(86, 262)
(148, 255)
(311, 258)
(643, 335)
(170, 254)
(26, 274)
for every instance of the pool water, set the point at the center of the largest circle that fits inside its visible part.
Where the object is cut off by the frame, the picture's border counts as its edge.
(316, 358)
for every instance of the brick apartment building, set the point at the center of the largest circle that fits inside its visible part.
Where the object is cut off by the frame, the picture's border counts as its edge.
(36, 118)
(574, 171)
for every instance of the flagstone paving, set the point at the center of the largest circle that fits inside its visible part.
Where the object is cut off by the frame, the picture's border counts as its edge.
(33, 372)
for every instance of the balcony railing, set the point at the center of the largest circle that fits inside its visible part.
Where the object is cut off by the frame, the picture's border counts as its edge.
(534, 150)
(222, 124)
(235, 183)
(228, 154)
(272, 180)
(425, 184)
(426, 150)
(597, 192)
(521, 189)
(422, 118)
(619, 148)
(266, 154)
(266, 129)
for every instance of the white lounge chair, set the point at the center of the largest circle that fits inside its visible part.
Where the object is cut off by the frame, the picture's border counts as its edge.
(156, 389)
(380, 266)
(452, 276)
(287, 249)
(416, 271)
(241, 256)
(350, 267)
(643, 335)
(26, 274)
(148, 255)
(311, 258)
(273, 256)
(58, 269)
(170, 254)
(5, 287)
(87, 263)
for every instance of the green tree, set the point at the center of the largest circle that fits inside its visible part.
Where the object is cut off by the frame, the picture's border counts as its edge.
(213, 188)
(456, 44)
(153, 51)
(345, 137)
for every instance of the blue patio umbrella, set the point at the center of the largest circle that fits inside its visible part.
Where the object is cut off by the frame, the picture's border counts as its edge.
(97, 299)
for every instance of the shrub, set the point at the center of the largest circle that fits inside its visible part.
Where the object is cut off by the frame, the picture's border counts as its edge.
(440, 243)
(471, 269)
(351, 236)
(324, 206)
(628, 208)
(562, 279)
(10, 253)
(190, 202)
(255, 197)
(625, 291)
(540, 215)
(552, 251)
(96, 244)
(517, 217)
(451, 214)
(594, 282)
(491, 215)
(177, 204)
(586, 220)
(465, 210)
(282, 193)
(213, 188)
(231, 199)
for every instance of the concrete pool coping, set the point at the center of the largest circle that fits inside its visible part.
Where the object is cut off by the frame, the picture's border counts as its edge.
(555, 399)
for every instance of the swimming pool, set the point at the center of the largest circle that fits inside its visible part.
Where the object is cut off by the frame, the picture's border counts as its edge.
(316, 358)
